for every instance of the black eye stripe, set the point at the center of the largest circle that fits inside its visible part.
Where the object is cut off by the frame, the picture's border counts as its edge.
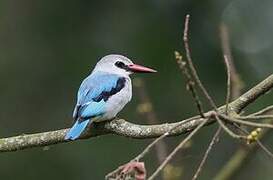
(120, 65)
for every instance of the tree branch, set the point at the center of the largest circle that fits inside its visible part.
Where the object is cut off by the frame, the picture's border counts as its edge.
(236, 81)
(239, 158)
(251, 95)
(124, 128)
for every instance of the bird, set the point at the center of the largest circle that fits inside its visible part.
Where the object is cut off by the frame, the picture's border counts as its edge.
(104, 93)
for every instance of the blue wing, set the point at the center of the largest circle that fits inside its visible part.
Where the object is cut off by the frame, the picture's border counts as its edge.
(93, 94)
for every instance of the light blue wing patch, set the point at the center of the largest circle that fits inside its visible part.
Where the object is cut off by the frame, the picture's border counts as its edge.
(86, 113)
(92, 109)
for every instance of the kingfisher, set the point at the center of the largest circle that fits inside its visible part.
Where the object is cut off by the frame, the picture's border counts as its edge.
(104, 93)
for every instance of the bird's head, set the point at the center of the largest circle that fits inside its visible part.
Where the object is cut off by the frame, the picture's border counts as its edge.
(121, 65)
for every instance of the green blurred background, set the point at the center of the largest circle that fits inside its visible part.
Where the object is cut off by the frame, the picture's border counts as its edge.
(48, 47)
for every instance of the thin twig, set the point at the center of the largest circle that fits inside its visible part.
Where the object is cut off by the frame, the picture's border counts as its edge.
(148, 148)
(227, 60)
(228, 82)
(251, 117)
(253, 124)
(192, 68)
(227, 130)
(171, 155)
(263, 147)
(211, 144)
(239, 157)
(268, 152)
(263, 111)
(148, 110)
(268, 118)
(190, 82)
(113, 173)
(236, 82)
(249, 96)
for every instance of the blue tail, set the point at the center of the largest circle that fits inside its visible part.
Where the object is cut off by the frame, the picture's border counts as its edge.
(76, 130)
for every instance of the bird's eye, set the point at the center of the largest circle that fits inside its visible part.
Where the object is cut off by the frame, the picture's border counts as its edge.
(120, 64)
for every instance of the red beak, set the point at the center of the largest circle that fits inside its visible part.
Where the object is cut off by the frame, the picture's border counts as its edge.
(140, 69)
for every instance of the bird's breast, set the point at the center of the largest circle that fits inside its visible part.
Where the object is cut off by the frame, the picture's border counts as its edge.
(117, 102)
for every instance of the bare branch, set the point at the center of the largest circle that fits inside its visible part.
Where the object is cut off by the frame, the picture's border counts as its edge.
(171, 155)
(190, 82)
(247, 123)
(211, 144)
(239, 158)
(255, 138)
(228, 82)
(148, 148)
(257, 117)
(263, 111)
(148, 110)
(124, 128)
(236, 82)
(227, 130)
(265, 149)
(250, 96)
(192, 68)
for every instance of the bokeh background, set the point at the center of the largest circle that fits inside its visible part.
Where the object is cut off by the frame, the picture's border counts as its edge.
(48, 47)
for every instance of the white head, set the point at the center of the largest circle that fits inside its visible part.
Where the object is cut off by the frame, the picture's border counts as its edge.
(121, 65)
